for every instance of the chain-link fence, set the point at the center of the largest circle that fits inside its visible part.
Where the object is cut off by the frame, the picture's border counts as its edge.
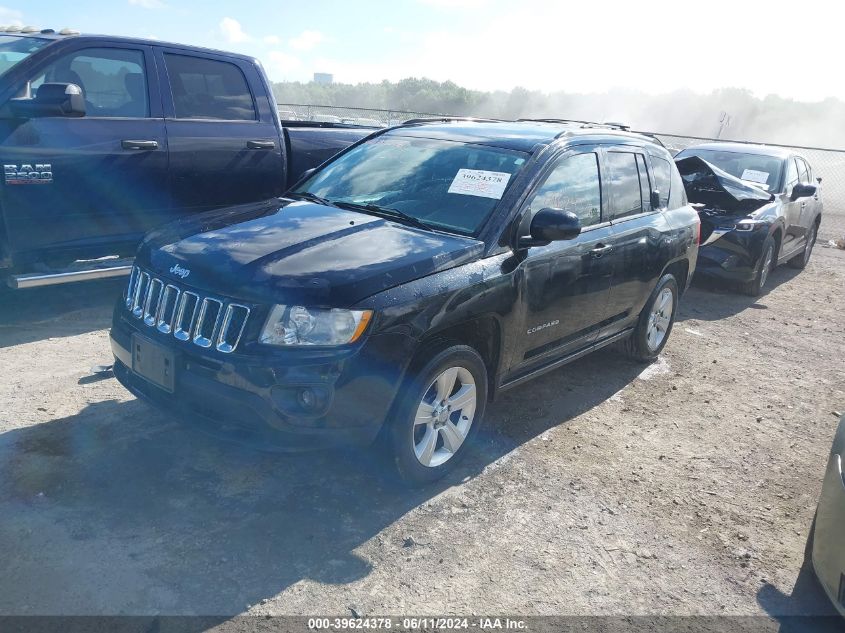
(353, 116)
(828, 164)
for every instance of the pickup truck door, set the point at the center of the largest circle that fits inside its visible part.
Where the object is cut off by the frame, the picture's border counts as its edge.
(565, 285)
(224, 138)
(88, 186)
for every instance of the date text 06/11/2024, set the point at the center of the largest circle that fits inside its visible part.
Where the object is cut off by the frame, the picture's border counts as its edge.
(418, 623)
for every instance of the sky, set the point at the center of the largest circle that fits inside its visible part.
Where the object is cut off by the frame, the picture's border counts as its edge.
(791, 49)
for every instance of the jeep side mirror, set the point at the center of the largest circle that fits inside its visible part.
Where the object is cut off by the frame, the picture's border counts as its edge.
(551, 225)
(803, 190)
(51, 100)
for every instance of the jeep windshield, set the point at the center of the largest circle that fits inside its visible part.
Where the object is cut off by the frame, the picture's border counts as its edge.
(13, 50)
(446, 185)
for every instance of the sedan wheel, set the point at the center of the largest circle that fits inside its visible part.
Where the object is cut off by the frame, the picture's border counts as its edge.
(444, 416)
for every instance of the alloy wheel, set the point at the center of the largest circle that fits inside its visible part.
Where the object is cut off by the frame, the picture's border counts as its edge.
(660, 318)
(767, 265)
(444, 416)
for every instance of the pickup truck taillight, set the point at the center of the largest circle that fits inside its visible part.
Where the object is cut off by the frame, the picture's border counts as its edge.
(698, 231)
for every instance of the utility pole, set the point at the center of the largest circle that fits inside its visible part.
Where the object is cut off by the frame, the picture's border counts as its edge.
(724, 122)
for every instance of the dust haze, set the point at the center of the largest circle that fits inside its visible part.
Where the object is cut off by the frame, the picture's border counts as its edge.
(728, 113)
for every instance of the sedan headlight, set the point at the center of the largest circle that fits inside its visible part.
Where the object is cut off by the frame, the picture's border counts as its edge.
(298, 325)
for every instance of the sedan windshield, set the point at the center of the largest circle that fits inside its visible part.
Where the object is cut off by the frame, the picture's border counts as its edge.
(14, 50)
(446, 185)
(757, 169)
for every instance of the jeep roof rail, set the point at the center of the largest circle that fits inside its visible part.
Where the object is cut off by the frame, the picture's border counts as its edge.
(447, 119)
(611, 125)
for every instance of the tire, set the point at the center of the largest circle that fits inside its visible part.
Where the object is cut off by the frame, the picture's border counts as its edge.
(765, 265)
(420, 450)
(801, 260)
(654, 325)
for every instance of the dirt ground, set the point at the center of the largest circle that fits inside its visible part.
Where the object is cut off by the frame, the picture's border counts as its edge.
(686, 487)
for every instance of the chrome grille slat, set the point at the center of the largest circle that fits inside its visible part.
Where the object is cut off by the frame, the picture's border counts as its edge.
(186, 315)
(199, 338)
(169, 297)
(226, 342)
(140, 293)
(181, 328)
(153, 301)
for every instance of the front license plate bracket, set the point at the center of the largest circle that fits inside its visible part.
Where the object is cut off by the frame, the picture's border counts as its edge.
(154, 362)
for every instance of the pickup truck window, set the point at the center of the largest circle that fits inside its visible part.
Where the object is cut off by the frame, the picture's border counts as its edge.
(14, 50)
(448, 185)
(573, 185)
(209, 89)
(626, 185)
(113, 80)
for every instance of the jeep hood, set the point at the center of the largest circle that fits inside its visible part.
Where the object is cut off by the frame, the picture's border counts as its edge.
(718, 190)
(281, 251)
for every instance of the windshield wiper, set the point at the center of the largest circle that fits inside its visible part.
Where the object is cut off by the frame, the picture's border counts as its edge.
(394, 214)
(311, 197)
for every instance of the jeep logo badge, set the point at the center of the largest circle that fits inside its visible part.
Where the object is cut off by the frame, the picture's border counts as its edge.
(180, 272)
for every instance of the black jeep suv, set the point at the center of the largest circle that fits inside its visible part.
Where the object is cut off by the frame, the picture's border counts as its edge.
(395, 290)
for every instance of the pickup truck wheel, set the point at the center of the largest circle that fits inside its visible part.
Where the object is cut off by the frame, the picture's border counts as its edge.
(764, 266)
(438, 415)
(801, 260)
(655, 323)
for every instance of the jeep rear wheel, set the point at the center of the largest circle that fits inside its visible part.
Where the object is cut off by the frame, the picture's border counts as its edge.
(655, 323)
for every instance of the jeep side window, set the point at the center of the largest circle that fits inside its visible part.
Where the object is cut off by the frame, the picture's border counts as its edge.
(573, 185)
(662, 179)
(113, 80)
(209, 89)
(626, 184)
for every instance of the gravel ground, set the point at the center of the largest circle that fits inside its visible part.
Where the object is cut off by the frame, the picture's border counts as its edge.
(685, 487)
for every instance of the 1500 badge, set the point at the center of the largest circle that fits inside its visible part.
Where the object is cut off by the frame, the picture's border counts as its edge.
(38, 174)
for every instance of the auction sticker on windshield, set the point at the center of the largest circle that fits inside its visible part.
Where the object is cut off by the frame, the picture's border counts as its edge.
(753, 175)
(478, 182)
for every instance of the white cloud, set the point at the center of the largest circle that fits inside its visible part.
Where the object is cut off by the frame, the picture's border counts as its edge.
(307, 40)
(148, 4)
(280, 64)
(11, 17)
(272, 39)
(232, 31)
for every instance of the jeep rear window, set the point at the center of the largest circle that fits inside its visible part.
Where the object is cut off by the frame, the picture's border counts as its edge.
(448, 185)
(13, 50)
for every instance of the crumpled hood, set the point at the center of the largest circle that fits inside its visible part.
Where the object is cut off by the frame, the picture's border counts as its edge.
(281, 251)
(716, 189)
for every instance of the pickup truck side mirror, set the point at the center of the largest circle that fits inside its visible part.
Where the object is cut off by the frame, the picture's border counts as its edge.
(51, 100)
(803, 190)
(551, 225)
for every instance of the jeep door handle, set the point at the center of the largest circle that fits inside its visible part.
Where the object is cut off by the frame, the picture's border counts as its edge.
(260, 145)
(143, 145)
(600, 249)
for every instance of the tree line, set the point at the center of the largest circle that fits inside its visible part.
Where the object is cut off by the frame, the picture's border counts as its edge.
(730, 113)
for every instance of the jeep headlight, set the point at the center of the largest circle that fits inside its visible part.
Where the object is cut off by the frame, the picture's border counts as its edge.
(298, 325)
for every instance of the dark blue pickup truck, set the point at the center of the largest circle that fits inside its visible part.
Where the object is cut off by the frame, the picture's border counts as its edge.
(103, 138)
